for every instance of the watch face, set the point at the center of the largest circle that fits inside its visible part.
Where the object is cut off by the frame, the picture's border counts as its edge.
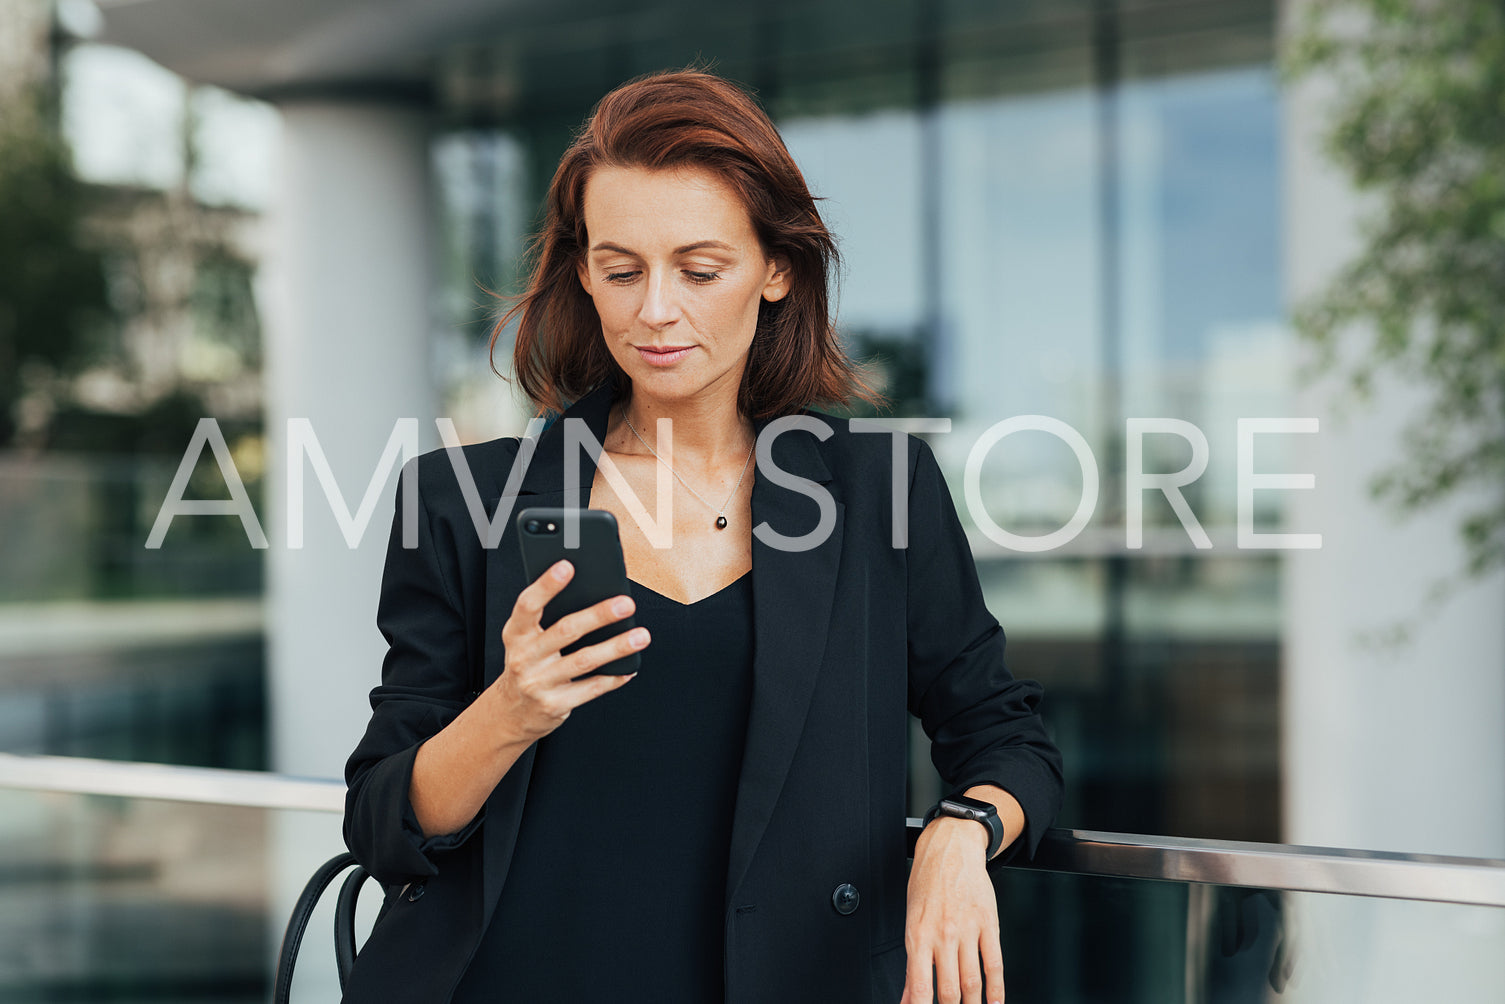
(986, 813)
(972, 808)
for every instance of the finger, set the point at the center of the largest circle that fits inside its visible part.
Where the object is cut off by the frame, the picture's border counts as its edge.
(918, 988)
(969, 973)
(947, 981)
(520, 633)
(992, 966)
(577, 664)
(586, 690)
(537, 594)
(572, 627)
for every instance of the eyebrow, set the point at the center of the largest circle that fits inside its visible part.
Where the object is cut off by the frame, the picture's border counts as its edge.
(682, 249)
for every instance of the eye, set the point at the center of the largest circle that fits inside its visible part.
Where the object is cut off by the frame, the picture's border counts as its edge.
(703, 277)
(620, 278)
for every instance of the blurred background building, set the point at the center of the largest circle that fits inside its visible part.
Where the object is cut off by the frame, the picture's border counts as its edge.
(1093, 211)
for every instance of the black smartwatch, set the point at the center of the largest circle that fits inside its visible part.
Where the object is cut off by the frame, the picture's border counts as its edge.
(963, 807)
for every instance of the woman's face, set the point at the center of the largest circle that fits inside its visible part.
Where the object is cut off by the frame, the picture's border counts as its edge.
(676, 272)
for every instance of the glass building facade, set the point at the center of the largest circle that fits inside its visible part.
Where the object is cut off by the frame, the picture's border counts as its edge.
(1066, 210)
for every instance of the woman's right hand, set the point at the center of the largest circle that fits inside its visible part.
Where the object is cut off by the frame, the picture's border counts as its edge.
(455, 770)
(538, 687)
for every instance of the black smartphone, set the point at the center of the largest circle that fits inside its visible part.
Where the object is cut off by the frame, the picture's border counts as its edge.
(600, 572)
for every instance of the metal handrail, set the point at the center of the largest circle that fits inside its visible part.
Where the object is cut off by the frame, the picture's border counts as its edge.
(1285, 867)
(165, 782)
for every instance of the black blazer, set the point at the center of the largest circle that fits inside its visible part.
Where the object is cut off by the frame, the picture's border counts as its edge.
(850, 636)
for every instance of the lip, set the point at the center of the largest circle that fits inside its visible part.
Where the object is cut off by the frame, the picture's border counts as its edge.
(666, 355)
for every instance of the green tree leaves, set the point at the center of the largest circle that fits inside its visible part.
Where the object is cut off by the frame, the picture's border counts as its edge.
(1418, 119)
(52, 290)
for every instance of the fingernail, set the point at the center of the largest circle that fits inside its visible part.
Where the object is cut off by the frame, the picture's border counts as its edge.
(562, 570)
(638, 638)
(622, 606)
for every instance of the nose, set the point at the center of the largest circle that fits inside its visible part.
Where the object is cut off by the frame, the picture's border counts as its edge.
(659, 308)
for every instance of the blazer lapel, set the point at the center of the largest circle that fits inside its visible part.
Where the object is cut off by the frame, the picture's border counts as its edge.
(793, 593)
(542, 485)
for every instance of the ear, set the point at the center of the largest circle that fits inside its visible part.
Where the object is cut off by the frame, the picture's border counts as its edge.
(779, 280)
(583, 271)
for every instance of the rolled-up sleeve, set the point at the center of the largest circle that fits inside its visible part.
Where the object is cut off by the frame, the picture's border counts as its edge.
(983, 724)
(426, 680)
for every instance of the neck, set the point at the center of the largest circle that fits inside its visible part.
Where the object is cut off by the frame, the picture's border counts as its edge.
(705, 434)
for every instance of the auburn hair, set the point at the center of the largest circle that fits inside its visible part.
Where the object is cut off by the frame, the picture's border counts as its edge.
(667, 120)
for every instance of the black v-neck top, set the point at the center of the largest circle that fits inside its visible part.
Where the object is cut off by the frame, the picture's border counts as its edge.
(617, 888)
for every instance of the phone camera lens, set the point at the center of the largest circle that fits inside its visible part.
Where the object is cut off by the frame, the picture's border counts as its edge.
(532, 526)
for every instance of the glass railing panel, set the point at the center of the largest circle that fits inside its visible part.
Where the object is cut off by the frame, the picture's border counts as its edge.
(131, 897)
(1080, 939)
(147, 901)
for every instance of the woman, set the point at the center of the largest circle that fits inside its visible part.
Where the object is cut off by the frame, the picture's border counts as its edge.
(728, 823)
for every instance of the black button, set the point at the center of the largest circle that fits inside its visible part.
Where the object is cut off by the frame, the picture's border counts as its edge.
(845, 899)
(415, 893)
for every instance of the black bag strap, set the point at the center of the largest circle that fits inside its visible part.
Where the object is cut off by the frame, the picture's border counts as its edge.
(344, 922)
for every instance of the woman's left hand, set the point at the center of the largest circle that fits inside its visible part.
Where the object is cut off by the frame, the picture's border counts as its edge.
(952, 922)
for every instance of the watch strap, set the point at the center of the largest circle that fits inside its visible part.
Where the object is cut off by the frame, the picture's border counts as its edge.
(965, 807)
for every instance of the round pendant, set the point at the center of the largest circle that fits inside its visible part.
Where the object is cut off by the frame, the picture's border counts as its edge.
(721, 522)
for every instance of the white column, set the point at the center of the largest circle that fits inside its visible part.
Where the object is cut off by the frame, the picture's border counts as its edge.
(348, 349)
(1387, 745)
(348, 297)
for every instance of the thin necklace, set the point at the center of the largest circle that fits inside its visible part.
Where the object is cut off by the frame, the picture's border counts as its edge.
(720, 513)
